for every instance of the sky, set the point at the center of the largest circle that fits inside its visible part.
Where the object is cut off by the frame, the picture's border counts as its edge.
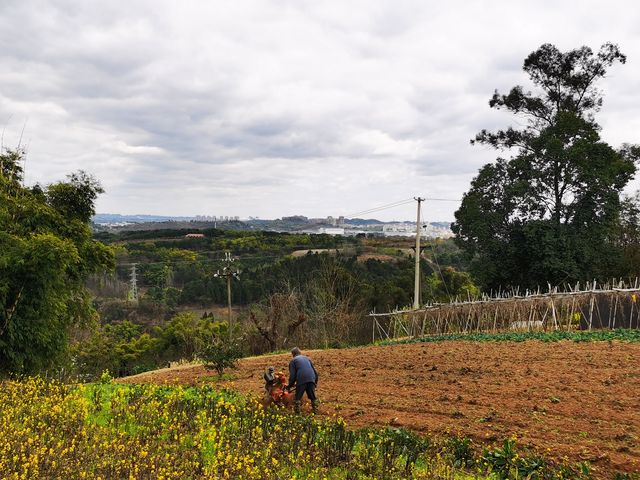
(275, 108)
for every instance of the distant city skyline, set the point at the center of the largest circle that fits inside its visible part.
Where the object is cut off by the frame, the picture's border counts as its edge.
(213, 218)
(270, 108)
(297, 223)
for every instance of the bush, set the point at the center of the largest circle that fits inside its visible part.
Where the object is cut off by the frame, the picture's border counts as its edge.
(220, 354)
(185, 335)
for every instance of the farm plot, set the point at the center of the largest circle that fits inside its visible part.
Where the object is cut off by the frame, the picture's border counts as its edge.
(563, 399)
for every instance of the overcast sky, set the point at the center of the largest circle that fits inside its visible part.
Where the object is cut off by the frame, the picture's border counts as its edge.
(273, 108)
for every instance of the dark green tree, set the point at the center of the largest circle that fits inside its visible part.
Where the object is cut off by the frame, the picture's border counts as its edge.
(448, 284)
(185, 335)
(46, 254)
(75, 198)
(547, 213)
(121, 348)
(628, 234)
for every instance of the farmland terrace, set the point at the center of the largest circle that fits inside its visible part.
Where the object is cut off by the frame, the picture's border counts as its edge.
(562, 399)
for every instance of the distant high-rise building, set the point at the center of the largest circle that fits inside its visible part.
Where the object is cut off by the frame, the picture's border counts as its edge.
(204, 218)
(214, 218)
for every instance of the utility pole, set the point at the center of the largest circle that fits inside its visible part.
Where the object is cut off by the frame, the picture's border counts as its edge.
(228, 273)
(416, 283)
(133, 289)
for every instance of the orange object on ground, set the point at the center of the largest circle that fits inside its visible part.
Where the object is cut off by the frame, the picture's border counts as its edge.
(278, 395)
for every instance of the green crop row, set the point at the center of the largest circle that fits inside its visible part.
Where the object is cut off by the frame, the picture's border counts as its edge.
(623, 335)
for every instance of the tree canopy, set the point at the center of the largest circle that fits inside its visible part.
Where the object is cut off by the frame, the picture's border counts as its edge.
(46, 253)
(547, 213)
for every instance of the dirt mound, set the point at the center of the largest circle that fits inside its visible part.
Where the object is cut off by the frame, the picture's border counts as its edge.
(579, 400)
(376, 256)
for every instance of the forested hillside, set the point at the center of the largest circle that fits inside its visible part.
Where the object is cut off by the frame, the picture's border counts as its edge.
(311, 289)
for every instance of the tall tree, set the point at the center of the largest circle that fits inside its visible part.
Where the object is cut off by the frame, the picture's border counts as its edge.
(628, 235)
(46, 254)
(546, 214)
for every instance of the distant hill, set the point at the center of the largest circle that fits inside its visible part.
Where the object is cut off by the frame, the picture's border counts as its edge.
(441, 224)
(176, 226)
(117, 218)
(363, 221)
(296, 223)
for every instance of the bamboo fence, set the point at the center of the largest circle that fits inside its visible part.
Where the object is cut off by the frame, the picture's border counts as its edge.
(610, 305)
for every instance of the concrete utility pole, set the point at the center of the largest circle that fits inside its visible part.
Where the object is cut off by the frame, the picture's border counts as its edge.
(228, 274)
(416, 283)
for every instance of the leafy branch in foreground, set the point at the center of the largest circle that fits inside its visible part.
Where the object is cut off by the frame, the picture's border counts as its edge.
(46, 254)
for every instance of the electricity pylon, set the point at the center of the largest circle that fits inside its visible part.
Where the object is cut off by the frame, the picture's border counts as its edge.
(133, 288)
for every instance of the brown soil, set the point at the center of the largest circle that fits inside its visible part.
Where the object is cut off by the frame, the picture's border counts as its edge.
(376, 256)
(565, 399)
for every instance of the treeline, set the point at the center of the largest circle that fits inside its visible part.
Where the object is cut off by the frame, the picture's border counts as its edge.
(219, 240)
(178, 274)
(126, 348)
(318, 299)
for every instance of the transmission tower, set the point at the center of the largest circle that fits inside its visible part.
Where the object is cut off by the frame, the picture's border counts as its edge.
(228, 273)
(133, 289)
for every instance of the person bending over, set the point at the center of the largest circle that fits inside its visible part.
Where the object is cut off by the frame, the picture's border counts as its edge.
(304, 376)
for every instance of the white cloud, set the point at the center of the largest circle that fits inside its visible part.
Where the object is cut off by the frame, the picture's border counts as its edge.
(271, 108)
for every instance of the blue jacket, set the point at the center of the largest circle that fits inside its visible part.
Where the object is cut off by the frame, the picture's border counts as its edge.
(301, 371)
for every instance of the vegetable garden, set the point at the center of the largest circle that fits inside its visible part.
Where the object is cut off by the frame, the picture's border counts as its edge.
(567, 396)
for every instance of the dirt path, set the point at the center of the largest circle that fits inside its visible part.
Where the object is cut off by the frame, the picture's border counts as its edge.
(579, 400)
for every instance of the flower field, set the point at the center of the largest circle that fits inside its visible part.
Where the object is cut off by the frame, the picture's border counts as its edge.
(570, 400)
(109, 431)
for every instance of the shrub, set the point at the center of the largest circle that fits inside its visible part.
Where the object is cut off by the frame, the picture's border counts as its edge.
(220, 354)
(461, 452)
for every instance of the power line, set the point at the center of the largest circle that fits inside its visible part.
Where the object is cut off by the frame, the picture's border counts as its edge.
(364, 212)
(444, 199)
(399, 203)
(220, 260)
(435, 258)
(189, 262)
(381, 207)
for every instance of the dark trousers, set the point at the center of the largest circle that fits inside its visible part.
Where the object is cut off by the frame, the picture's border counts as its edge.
(310, 388)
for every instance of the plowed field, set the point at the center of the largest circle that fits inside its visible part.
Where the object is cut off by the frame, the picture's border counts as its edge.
(564, 399)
